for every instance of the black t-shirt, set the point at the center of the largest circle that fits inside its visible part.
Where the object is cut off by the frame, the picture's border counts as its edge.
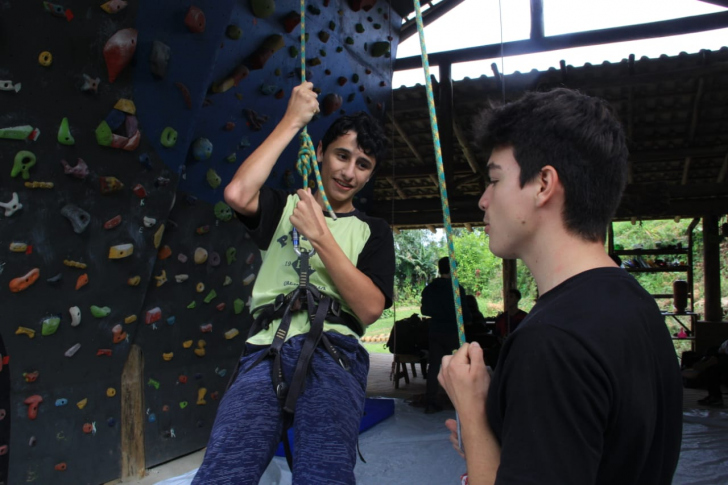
(438, 303)
(588, 390)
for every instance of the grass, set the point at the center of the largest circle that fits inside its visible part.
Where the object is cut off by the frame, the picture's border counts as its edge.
(384, 326)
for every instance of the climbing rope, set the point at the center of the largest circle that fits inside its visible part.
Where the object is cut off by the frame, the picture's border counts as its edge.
(307, 152)
(441, 177)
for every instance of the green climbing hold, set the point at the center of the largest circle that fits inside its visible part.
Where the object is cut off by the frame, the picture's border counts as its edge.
(213, 178)
(238, 306)
(231, 158)
(359, 28)
(233, 32)
(332, 25)
(349, 41)
(64, 133)
(169, 137)
(379, 49)
(16, 132)
(292, 51)
(263, 8)
(228, 281)
(323, 36)
(277, 72)
(322, 53)
(339, 49)
(104, 134)
(223, 211)
(231, 254)
(50, 326)
(351, 97)
(23, 161)
(100, 312)
(355, 78)
(210, 296)
(153, 382)
(183, 404)
(192, 305)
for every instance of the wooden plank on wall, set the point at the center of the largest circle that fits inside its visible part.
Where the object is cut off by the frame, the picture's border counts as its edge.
(132, 415)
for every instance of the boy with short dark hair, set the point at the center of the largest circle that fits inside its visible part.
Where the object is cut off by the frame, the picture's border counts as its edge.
(588, 390)
(314, 296)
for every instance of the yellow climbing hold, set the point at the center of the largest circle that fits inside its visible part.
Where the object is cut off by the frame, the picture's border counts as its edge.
(74, 264)
(82, 403)
(187, 344)
(232, 333)
(39, 185)
(158, 236)
(25, 331)
(110, 392)
(126, 105)
(200, 287)
(18, 247)
(134, 281)
(121, 251)
(168, 356)
(201, 396)
(161, 279)
(130, 319)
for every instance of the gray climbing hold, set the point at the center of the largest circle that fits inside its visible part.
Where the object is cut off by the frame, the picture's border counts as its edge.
(79, 218)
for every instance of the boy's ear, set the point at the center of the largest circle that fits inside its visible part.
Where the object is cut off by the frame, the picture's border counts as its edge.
(549, 185)
(320, 151)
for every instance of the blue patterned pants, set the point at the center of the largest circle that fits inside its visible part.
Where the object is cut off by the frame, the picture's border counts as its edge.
(249, 422)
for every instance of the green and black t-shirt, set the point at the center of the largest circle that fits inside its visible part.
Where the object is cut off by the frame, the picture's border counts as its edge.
(366, 241)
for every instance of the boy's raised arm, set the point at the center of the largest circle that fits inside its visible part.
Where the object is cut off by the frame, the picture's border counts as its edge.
(244, 189)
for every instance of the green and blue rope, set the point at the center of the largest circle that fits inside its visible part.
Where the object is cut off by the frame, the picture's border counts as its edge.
(441, 177)
(307, 163)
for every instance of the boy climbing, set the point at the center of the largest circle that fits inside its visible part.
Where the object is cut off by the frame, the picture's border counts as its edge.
(303, 366)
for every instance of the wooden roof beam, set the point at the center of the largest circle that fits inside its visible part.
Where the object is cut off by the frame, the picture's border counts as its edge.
(396, 187)
(465, 146)
(406, 139)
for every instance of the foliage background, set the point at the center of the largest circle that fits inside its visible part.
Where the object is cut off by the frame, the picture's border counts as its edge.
(480, 272)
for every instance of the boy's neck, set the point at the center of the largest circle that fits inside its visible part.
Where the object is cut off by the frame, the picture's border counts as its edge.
(562, 255)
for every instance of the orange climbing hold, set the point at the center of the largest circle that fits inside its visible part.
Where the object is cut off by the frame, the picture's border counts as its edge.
(61, 467)
(82, 281)
(165, 252)
(23, 282)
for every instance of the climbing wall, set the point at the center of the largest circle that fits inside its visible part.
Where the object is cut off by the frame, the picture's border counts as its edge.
(121, 123)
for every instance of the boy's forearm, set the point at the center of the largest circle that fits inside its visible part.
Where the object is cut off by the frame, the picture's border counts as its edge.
(243, 190)
(364, 298)
(482, 451)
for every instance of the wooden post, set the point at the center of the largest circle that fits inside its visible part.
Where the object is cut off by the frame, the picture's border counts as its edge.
(711, 268)
(509, 280)
(537, 25)
(445, 125)
(132, 416)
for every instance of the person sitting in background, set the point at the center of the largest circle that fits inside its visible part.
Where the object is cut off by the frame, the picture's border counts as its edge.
(506, 322)
(437, 303)
(710, 373)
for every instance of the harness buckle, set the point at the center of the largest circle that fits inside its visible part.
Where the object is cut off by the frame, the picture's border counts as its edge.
(282, 390)
(335, 307)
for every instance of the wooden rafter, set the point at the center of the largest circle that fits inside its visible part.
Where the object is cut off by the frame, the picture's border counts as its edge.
(396, 187)
(466, 148)
(406, 139)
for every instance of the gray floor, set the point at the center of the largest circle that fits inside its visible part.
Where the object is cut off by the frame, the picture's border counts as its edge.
(412, 447)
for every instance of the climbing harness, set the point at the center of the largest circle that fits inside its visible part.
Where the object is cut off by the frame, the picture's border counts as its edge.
(305, 297)
(441, 177)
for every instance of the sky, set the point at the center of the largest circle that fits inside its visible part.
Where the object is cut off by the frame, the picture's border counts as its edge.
(478, 22)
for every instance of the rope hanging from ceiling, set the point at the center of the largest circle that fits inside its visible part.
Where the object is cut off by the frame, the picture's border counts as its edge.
(441, 177)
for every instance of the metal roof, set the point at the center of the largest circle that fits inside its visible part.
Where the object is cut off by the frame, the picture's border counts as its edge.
(675, 114)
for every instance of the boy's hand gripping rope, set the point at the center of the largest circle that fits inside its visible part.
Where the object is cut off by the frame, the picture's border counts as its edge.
(307, 153)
